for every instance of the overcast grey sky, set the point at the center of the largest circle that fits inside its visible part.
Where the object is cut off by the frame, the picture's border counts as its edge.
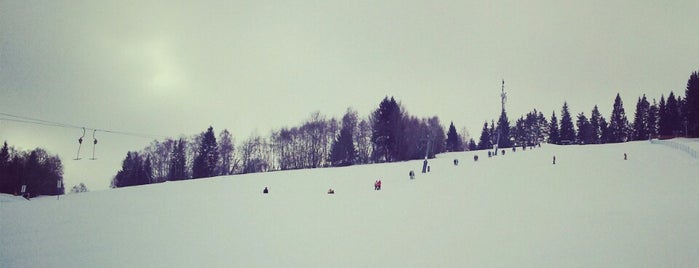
(147, 67)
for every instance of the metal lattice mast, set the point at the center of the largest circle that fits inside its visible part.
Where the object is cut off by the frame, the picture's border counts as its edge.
(503, 99)
(503, 96)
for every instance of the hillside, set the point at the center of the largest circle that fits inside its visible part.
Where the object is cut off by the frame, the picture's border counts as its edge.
(590, 209)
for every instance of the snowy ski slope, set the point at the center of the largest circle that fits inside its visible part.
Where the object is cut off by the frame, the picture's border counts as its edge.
(591, 209)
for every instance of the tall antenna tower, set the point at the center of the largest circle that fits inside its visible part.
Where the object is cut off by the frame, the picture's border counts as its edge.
(503, 99)
(503, 95)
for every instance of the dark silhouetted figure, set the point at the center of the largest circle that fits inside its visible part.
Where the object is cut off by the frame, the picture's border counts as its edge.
(412, 175)
(554, 159)
(624, 156)
(331, 191)
(265, 191)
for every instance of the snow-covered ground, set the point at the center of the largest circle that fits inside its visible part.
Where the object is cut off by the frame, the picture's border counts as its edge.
(591, 209)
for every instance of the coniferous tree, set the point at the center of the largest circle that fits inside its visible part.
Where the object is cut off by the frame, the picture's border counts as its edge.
(31, 173)
(673, 122)
(640, 122)
(543, 130)
(691, 105)
(618, 124)
(663, 126)
(691, 98)
(492, 133)
(472, 146)
(199, 167)
(584, 135)
(37, 169)
(520, 132)
(533, 127)
(554, 135)
(343, 151)
(503, 133)
(6, 182)
(437, 135)
(653, 120)
(4, 156)
(387, 130)
(682, 116)
(595, 126)
(485, 141)
(567, 130)
(605, 135)
(207, 159)
(14, 173)
(178, 161)
(41, 173)
(132, 172)
(453, 139)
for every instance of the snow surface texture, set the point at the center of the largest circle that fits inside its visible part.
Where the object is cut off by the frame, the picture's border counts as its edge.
(590, 209)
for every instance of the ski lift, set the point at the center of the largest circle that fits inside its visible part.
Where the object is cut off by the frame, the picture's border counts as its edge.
(94, 144)
(80, 144)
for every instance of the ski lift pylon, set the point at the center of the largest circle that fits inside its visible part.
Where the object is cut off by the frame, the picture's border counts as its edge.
(80, 144)
(94, 144)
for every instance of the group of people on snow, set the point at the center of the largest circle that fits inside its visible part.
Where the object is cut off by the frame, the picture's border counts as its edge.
(625, 158)
(377, 185)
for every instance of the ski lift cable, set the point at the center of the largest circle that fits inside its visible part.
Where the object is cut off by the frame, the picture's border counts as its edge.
(141, 135)
(34, 122)
(38, 121)
(29, 120)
